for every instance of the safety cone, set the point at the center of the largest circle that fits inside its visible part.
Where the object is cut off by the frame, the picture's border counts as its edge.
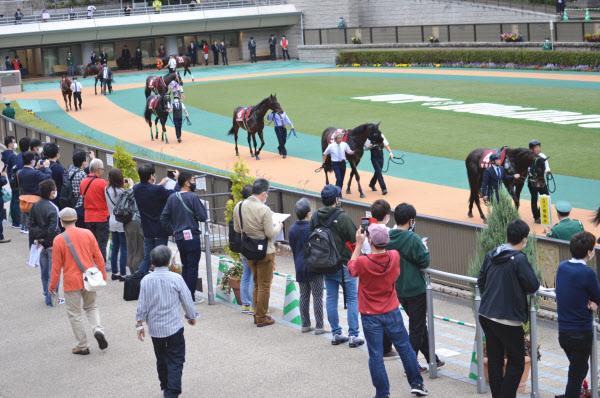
(291, 305)
(220, 294)
(565, 17)
(473, 370)
(587, 15)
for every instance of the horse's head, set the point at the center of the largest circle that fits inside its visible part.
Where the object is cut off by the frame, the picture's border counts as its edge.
(166, 101)
(537, 172)
(178, 78)
(88, 71)
(375, 135)
(275, 105)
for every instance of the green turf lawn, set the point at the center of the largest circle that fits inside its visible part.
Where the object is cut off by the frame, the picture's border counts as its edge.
(315, 102)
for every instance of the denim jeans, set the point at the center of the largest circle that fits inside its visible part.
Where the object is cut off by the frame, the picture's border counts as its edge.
(119, 245)
(391, 323)
(578, 347)
(149, 244)
(247, 284)
(190, 252)
(15, 209)
(332, 284)
(46, 269)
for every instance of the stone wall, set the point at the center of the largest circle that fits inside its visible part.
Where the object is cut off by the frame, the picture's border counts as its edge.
(261, 36)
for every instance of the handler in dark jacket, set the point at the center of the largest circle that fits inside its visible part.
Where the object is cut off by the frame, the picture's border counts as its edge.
(43, 228)
(505, 280)
(493, 176)
(215, 49)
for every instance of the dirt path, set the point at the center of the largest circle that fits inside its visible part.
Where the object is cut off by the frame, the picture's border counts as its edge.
(430, 199)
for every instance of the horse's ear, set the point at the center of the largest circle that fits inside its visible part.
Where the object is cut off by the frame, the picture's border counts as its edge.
(378, 123)
(546, 158)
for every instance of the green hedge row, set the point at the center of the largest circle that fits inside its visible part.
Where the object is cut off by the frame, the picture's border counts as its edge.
(438, 56)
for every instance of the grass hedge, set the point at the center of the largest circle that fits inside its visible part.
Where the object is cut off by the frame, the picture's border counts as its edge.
(438, 56)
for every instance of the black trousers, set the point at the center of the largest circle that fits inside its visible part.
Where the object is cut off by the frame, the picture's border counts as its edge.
(501, 339)
(339, 169)
(139, 64)
(578, 347)
(272, 51)
(170, 356)
(377, 162)
(177, 123)
(77, 98)
(285, 52)
(171, 70)
(535, 209)
(216, 58)
(224, 59)
(80, 223)
(253, 56)
(194, 58)
(281, 134)
(100, 231)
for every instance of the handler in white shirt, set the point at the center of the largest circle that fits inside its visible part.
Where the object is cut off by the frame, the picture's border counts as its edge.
(76, 89)
(176, 89)
(338, 150)
(172, 64)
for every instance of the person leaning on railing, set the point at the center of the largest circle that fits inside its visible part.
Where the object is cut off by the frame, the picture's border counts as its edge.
(577, 298)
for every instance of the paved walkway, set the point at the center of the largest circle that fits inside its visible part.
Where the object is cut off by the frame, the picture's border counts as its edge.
(226, 355)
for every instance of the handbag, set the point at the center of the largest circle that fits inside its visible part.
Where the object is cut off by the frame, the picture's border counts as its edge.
(93, 279)
(252, 249)
(6, 195)
(26, 201)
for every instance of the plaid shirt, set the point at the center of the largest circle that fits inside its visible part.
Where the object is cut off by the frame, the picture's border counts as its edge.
(79, 176)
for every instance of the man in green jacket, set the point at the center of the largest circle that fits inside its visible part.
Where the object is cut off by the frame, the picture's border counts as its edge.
(565, 228)
(410, 285)
(9, 111)
(70, 63)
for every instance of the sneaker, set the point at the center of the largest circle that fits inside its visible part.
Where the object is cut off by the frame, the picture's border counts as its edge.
(440, 363)
(245, 309)
(102, 343)
(17, 226)
(61, 301)
(5, 240)
(391, 354)
(423, 369)
(339, 339)
(355, 341)
(306, 329)
(419, 390)
(115, 277)
(199, 300)
(321, 331)
(250, 311)
(24, 231)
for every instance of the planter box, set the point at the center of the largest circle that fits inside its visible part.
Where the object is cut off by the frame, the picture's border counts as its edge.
(235, 286)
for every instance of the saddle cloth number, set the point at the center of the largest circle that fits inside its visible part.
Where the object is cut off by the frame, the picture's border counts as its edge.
(180, 60)
(152, 103)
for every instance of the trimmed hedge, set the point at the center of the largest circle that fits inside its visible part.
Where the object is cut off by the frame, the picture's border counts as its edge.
(438, 56)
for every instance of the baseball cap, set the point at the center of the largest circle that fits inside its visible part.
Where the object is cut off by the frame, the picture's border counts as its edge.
(330, 192)
(563, 206)
(379, 235)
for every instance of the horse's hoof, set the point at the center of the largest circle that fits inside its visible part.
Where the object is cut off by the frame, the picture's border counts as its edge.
(484, 221)
(167, 142)
(257, 158)
(470, 215)
(162, 140)
(362, 196)
(152, 137)
(237, 154)
(348, 192)
(251, 154)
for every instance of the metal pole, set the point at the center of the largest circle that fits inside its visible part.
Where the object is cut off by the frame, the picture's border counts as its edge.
(430, 331)
(594, 358)
(533, 338)
(479, 337)
(211, 295)
(302, 26)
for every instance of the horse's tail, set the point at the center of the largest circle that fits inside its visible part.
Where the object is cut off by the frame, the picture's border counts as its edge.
(596, 219)
(231, 131)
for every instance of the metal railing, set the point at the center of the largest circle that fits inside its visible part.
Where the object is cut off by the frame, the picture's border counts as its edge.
(481, 388)
(120, 12)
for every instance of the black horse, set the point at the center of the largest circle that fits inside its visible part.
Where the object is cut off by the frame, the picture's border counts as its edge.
(356, 141)
(159, 106)
(517, 161)
(253, 121)
(96, 71)
(160, 84)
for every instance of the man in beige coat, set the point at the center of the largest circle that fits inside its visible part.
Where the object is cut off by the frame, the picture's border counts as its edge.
(258, 224)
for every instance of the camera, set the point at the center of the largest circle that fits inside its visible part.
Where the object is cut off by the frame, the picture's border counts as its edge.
(171, 174)
(365, 222)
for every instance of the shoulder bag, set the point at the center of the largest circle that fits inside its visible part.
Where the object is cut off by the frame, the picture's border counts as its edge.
(92, 277)
(26, 201)
(252, 249)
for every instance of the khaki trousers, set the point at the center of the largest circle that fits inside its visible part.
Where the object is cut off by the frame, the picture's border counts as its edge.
(73, 301)
(262, 271)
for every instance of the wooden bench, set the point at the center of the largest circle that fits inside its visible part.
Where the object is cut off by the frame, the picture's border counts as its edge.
(58, 69)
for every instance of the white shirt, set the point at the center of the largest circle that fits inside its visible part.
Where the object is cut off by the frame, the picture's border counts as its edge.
(385, 142)
(174, 86)
(547, 165)
(176, 105)
(105, 73)
(91, 10)
(76, 87)
(172, 63)
(337, 151)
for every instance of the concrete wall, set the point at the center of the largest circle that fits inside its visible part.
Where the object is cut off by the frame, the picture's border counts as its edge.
(261, 36)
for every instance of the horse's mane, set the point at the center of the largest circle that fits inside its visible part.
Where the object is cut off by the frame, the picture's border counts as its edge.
(360, 128)
(261, 103)
(519, 153)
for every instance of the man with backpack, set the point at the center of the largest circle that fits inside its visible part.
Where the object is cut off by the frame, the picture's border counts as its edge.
(126, 212)
(331, 228)
(70, 196)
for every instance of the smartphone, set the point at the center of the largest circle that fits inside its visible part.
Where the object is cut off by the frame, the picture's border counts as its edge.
(171, 174)
(425, 239)
(88, 153)
(364, 224)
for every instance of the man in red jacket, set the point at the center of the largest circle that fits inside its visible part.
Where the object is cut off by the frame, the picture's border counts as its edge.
(378, 306)
(94, 202)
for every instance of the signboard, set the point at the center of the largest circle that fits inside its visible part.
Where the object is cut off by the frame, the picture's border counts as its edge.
(546, 210)
(201, 183)
(110, 160)
(47, 139)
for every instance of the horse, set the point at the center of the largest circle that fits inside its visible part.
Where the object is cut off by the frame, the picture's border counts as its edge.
(517, 161)
(182, 62)
(159, 106)
(356, 141)
(252, 120)
(65, 87)
(94, 70)
(160, 85)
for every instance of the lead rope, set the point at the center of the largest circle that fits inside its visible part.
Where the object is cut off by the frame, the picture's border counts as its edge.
(399, 162)
(550, 178)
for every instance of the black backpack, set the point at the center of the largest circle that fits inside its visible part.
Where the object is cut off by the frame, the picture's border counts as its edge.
(125, 208)
(235, 239)
(321, 254)
(67, 198)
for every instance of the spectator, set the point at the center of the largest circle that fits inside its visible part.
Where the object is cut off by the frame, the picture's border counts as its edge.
(9, 111)
(128, 9)
(71, 13)
(23, 147)
(577, 298)
(308, 281)
(205, 52)
(252, 49)
(28, 181)
(157, 4)
(224, 53)
(193, 47)
(43, 228)
(272, 45)
(17, 64)
(341, 23)
(280, 130)
(158, 305)
(76, 88)
(560, 8)
(504, 308)
(94, 203)
(45, 15)
(192, 6)
(338, 150)
(493, 176)
(247, 282)
(116, 186)
(18, 16)
(215, 50)
(258, 224)
(377, 162)
(151, 200)
(138, 58)
(58, 171)
(181, 215)
(77, 299)
(76, 174)
(344, 231)
(410, 285)
(35, 146)
(378, 306)
(565, 228)
(7, 64)
(161, 51)
(126, 55)
(284, 47)
(134, 235)
(90, 13)
(70, 63)
(3, 181)
(9, 159)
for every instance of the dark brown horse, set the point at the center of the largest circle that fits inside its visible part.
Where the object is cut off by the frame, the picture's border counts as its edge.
(517, 161)
(252, 119)
(160, 84)
(159, 106)
(182, 62)
(94, 70)
(65, 87)
(356, 141)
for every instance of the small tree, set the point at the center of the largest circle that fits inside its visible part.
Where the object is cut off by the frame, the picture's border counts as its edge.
(124, 161)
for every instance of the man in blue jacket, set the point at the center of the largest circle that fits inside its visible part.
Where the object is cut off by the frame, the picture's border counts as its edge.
(505, 280)
(9, 158)
(29, 178)
(492, 177)
(181, 216)
(151, 200)
(577, 297)
(3, 182)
